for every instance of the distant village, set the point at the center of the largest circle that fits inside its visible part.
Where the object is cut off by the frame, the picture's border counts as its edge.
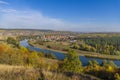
(38, 34)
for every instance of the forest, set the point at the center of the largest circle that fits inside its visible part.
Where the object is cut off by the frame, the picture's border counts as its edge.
(104, 45)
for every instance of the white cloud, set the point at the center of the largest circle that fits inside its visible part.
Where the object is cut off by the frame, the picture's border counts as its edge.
(7, 10)
(30, 19)
(3, 3)
(11, 18)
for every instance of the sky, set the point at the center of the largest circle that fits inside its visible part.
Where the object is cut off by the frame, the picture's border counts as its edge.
(66, 15)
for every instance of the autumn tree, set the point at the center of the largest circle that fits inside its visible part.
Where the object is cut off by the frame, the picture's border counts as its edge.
(34, 59)
(117, 76)
(71, 63)
(109, 63)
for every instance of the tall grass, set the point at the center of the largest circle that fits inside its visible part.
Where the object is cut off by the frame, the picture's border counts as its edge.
(18, 73)
(8, 72)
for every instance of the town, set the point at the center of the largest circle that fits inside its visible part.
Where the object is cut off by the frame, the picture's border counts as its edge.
(46, 35)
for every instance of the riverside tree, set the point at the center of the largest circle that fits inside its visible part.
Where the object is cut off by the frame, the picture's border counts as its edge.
(71, 63)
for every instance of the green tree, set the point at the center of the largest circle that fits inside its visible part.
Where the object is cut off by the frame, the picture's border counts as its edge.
(93, 63)
(11, 40)
(75, 46)
(71, 63)
(92, 49)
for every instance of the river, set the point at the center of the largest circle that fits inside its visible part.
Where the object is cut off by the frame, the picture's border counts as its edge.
(61, 56)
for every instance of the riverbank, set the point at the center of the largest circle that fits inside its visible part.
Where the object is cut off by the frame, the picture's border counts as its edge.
(81, 53)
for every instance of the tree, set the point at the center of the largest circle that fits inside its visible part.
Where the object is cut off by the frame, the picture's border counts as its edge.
(13, 41)
(71, 63)
(75, 46)
(92, 49)
(117, 76)
(117, 52)
(12, 57)
(109, 65)
(34, 59)
(93, 63)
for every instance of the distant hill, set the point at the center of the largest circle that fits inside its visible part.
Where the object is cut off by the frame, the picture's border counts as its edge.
(29, 29)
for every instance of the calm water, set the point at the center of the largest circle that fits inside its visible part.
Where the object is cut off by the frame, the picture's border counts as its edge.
(61, 56)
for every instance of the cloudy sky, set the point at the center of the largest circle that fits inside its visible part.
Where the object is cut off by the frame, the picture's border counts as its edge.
(70, 15)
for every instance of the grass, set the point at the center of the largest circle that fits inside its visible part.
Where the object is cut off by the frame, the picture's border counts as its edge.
(98, 55)
(9, 67)
(67, 76)
(9, 72)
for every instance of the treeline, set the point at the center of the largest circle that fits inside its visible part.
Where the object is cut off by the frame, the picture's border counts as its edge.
(107, 71)
(103, 45)
(29, 37)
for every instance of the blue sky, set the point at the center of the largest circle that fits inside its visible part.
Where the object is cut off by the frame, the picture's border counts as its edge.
(70, 15)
